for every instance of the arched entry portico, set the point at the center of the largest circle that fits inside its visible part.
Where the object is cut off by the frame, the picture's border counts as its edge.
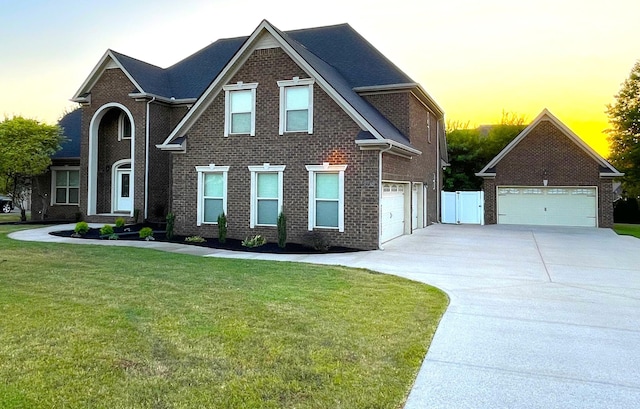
(110, 180)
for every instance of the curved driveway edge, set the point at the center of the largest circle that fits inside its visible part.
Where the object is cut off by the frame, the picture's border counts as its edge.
(539, 317)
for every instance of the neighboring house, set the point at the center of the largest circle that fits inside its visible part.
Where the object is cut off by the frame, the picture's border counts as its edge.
(315, 123)
(55, 194)
(548, 176)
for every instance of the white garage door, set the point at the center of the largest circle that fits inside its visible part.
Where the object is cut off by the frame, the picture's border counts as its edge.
(392, 211)
(548, 206)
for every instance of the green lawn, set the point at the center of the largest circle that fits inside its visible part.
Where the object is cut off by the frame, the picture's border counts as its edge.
(11, 217)
(110, 327)
(627, 229)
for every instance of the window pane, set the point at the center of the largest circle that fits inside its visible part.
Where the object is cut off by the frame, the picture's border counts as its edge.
(213, 185)
(61, 195)
(126, 126)
(326, 185)
(212, 209)
(124, 186)
(268, 185)
(240, 101)
(73, 195)
(74, 178)
(241, 123)
(61, 178)
(297, 97)
(327, 214)
(268, 212)
(298, 120)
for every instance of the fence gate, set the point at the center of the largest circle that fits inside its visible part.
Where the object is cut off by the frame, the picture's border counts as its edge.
(463, 207)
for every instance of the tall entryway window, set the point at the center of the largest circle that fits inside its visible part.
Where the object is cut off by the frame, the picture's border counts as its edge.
(122, 187)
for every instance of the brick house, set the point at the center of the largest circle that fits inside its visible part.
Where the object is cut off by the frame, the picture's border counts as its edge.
(55, 194)
(314, 123)
(548, 176)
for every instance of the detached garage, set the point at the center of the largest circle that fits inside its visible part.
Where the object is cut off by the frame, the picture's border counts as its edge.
(548, 206)
(548, 176)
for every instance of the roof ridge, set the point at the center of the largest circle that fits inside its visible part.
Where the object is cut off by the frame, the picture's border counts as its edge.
(119, 54)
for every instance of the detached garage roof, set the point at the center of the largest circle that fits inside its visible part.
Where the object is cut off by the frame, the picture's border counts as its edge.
(606, 169)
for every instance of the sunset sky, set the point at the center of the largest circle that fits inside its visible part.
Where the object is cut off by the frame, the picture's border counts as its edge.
(475, 58)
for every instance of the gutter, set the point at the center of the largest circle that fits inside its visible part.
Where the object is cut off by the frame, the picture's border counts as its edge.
(160, 98)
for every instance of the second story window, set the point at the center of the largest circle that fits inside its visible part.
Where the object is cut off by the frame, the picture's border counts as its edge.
(240, 109)
(296, 105)
(124, 127)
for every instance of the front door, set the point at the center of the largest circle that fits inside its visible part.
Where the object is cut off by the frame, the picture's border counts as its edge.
(123, 202)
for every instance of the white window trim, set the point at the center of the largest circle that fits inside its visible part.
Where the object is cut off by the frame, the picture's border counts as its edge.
(326, 168)
(52, 196)
(292, 83)
(265, 168)
(212, 168)
(239, 86)
(121, 120)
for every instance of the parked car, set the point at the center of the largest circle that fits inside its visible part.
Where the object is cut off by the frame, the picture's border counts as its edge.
(6, 204)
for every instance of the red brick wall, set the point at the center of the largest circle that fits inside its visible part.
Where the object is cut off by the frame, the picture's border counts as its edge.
(113, 86)
(41, 207)
(547, 153)
(333, 140)
(406, 111)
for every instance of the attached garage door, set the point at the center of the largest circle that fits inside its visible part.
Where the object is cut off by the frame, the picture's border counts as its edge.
(548, 206)
(392, 211)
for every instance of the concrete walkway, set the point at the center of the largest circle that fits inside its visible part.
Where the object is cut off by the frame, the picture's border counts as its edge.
(539, 317)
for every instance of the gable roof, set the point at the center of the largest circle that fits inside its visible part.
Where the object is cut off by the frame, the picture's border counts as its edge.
(606, 169)
(71, 127)
(343, 61)
(327, 77)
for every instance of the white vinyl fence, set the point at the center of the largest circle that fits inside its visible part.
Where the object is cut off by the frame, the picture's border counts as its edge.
(463, 207)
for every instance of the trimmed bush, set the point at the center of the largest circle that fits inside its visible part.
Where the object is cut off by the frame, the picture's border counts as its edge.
(255, 241)
(222, 228)
(146, 233)
(81, 228)
(106, 230)
(282, 230)
(120, 222)
(171, 218)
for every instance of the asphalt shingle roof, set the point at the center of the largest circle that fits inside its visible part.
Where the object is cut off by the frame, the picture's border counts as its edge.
(71, 124)
(338, 53)
(339, 46)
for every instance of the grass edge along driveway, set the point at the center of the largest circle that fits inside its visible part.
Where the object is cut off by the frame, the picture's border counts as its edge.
(627, 229)
(119, 327)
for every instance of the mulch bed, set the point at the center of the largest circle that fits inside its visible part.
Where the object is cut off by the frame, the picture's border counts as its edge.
(130, 233)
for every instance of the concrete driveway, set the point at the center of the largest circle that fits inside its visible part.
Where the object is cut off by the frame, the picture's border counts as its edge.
(539, 317)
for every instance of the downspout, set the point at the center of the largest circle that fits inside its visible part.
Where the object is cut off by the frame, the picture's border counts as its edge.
(380, 195)
(146, 163)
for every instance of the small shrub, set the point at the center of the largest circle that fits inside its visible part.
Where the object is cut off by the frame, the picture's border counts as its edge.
(81, 228)
(282, 230)
(255, 241)
(317, 241)
(120, 222)
(222, 228)
(106, 230)
(194, 239)
(146, 233)
(136, 215)
(113, 236)
(171, 218)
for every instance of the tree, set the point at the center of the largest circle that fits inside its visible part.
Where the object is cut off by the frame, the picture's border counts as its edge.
(624, 134)
(26, 146)
(471, 149)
